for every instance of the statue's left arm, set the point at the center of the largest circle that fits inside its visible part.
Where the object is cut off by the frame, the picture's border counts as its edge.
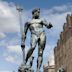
(48, 25)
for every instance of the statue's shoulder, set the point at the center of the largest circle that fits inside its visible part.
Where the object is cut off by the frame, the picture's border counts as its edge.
(27, 23)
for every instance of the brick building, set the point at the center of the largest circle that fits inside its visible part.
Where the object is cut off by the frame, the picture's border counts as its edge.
(63, 50)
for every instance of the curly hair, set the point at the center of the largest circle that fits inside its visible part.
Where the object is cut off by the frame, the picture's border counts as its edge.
(35, 10)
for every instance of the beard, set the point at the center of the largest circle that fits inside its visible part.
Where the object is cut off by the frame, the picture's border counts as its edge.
(36, 17)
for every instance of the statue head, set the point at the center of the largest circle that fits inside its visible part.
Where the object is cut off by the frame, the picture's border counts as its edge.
(36, 13)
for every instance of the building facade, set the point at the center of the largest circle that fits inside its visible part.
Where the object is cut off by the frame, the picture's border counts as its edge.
(63, 50)
(49, 68)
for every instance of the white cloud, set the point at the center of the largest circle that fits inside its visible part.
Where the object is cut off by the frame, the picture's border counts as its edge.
(5, 10)
(2, 35)
(15, 59)
(10, 59)
(15, 48)
(9, 18)
(9, 21)
(5, 71)
(59, 9)
(14, 54)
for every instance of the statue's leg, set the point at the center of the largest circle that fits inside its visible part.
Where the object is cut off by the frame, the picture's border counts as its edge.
(41, 47)
(33, 43)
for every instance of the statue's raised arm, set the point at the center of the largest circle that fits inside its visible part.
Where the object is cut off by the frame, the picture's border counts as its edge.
(48, 25)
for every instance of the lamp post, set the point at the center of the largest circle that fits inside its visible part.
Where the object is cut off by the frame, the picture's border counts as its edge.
(19, 9)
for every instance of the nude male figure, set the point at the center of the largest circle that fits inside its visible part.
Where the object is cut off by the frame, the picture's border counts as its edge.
(37, 35)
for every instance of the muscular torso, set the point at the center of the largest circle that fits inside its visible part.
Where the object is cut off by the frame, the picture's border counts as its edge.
(36, 27)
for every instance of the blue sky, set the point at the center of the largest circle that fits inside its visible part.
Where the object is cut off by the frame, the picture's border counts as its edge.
(54, 11)
(29, 4)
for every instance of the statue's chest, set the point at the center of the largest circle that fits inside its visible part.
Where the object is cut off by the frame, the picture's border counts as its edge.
(35, 23)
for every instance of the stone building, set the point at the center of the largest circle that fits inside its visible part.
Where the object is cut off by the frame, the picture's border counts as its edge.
(49, 68)
(63, 50)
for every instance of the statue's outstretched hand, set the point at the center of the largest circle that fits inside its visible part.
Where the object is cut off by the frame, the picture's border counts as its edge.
(50, 25)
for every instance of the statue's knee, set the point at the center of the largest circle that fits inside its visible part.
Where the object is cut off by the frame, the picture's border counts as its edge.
(40, 52)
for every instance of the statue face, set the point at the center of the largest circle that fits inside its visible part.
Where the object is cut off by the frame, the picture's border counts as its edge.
(36, 14)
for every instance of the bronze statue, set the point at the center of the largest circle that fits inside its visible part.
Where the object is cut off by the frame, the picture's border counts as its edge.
(37, 35)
